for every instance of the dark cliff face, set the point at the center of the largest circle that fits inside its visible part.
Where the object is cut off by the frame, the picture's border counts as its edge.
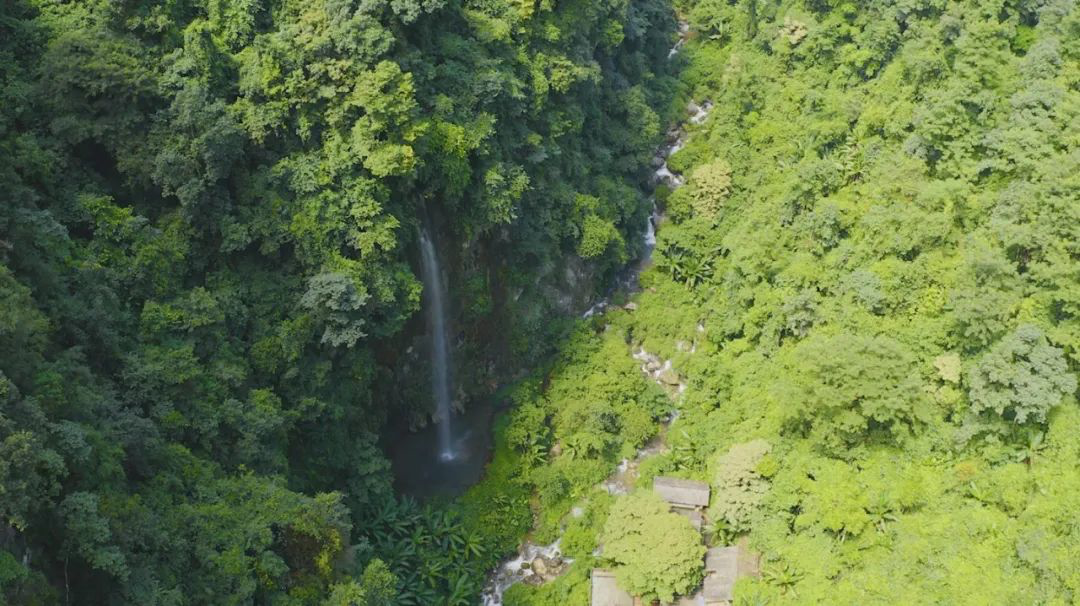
(498, 326)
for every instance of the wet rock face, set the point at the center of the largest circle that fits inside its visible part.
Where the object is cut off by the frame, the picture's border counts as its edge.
(660, 371)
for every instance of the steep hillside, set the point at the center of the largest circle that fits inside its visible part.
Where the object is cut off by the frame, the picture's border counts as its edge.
(869, 286)
(860, 326)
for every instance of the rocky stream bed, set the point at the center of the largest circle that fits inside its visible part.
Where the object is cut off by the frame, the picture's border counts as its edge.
(538, 564)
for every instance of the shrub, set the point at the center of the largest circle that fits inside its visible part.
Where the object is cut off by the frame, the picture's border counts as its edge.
(739, 487)
(657, 554)
(1021, 378)
(710, 185)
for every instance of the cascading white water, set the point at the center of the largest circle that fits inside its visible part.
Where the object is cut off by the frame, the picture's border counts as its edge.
(440, 350)
(518, 569)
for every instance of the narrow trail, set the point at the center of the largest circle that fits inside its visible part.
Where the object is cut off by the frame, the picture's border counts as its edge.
(541, 563)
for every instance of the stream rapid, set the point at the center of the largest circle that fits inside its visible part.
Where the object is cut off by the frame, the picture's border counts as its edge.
(519, 568)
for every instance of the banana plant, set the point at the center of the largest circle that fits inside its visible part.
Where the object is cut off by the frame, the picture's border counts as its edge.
(433, 571)
(782, 575)
(1033, 447)
(718, 531)
(473, 547)
(461, 589)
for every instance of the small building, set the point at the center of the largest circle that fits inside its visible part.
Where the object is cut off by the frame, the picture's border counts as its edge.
(682, 494)
(694, 515)
(724, 566)
(606, 592)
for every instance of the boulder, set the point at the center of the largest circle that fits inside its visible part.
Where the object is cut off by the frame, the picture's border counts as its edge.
(555, 567)
(533, 579)
(546, 569)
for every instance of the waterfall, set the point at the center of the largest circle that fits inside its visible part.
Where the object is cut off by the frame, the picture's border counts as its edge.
(440, 350)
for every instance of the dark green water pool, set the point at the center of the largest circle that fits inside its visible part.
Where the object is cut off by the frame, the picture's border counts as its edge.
(420, 471)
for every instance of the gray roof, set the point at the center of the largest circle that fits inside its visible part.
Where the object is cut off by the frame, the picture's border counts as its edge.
(680, 492)
(721, 571)
(718, 589)
(723, 565)
(719, 559)
(605, 592)
(694, 515)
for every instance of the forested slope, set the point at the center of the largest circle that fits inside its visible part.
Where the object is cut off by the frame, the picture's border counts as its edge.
(870, 285)
(892, 300)
(208, 217)
(867, 287)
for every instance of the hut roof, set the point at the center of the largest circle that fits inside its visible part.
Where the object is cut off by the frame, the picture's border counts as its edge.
(605, 592)
(682, 493)
(749, 560)
(721, 570)
(722, 558)
(694, 515)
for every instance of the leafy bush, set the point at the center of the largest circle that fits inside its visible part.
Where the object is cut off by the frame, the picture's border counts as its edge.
(844, 389)
(738, 487)
(657, 554)
(1021, 378)
(709, 186)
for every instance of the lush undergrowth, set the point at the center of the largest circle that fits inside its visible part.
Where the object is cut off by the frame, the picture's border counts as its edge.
(869, 284)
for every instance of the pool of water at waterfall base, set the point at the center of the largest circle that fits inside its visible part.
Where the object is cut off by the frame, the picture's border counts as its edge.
(421, 470)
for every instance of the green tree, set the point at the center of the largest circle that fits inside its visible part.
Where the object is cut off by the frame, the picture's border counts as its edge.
(846, 389)
(1021, 378)
(709, 186)
(377, 587)
(739, 487)
(657, 554)
(339, 304)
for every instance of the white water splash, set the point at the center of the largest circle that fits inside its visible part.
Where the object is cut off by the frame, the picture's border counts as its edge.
(700, 112)
(650, 230)
(684, 31)
(515, 570)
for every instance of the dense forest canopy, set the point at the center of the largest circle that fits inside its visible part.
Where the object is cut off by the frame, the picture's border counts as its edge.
(868, 286)
(207, 233)
(860, 326)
